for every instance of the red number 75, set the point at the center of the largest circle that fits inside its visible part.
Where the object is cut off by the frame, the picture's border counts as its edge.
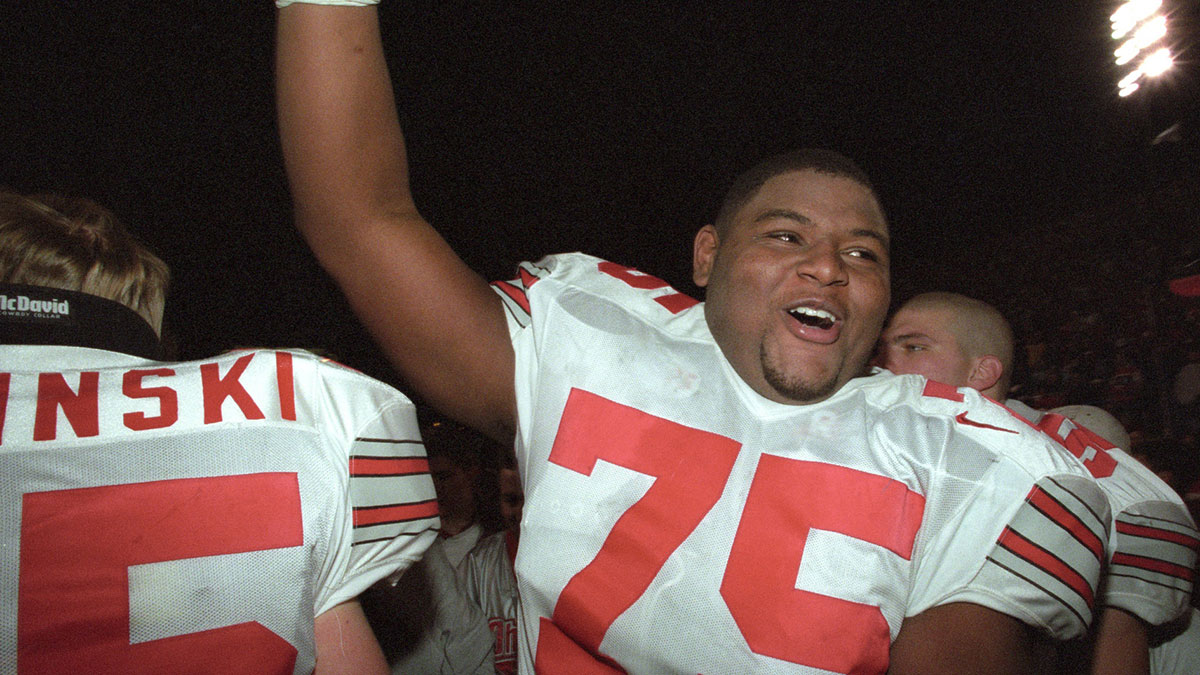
(786, 500)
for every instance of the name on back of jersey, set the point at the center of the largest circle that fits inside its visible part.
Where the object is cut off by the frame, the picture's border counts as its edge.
(57, 406)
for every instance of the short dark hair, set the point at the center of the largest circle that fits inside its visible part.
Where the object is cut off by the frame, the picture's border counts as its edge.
(746, 185)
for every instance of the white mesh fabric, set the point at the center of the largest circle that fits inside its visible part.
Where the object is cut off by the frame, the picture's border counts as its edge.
(591, 333)
(488, 580)
(274, 421)
(1153, 541)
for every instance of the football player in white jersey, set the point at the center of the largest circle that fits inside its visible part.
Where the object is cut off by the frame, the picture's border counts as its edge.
(489, 578)
(216, 516)
(711, 487)
(1153, 542)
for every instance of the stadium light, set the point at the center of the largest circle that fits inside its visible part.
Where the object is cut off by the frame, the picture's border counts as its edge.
(1130, 13)
(1158, 63)
(1128, 89)
(1140, 29)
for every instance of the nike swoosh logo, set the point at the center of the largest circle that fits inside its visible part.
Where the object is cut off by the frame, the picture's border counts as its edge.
(962, 419)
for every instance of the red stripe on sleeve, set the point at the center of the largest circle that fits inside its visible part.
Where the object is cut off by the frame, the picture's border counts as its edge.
(1160, 566)
(394, 513)
(287, 386)
(1067, 520)
(1157, 533)
(388, 466)
(518, 296)
(1040, 558)
(527, 278)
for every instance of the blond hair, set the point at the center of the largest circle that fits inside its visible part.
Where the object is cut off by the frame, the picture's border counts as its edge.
(77, 245)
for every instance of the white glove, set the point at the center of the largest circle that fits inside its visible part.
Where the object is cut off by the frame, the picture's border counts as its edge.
(345, 3)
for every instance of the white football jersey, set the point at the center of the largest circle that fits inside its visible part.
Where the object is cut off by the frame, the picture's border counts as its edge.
(676, 521)
(195, 517)
(425, 623)
(490, 582)
(1153, 542)
(1181, 654)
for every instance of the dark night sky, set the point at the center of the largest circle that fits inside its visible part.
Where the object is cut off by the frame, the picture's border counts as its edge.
(610, 127)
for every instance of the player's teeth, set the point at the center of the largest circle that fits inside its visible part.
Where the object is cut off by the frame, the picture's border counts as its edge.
(813, 317)
(815, 313)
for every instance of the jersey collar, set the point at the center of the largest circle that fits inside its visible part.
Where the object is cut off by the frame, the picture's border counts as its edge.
(38, 315)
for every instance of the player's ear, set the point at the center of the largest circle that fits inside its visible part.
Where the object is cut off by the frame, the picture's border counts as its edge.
(704, 250)
(985, 373)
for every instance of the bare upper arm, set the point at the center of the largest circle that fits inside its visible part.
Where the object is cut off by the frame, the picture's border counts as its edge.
(962, 638)
(345, 643)
(437, 321)
(1121, 644)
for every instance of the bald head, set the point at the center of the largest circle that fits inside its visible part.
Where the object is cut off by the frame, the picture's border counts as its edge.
(953, 339)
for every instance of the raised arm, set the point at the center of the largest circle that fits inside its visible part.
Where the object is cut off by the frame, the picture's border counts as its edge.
(438, 322)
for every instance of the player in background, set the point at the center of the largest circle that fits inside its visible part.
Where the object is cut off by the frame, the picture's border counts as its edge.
(216, 516)
(700, 476)
(455, 463)
(489, 579)
(425, 622)
(423, 618)
(1153, 542)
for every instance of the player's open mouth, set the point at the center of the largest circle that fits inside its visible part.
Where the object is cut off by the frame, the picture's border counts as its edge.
(814, 324)
(817, 318)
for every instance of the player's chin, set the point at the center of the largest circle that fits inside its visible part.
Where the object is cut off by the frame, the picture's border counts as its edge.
(802, 387)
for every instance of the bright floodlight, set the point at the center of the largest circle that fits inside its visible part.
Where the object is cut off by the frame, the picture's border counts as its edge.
(1138, 27)
(1127, 52)
(1158, 62)
(1120, 30)
(1152, 31)
(1128, 15)
(1131, 78)
(1134, 11)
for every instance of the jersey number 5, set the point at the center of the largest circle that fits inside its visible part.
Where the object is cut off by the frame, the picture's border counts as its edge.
(77, 546)
(787, 499)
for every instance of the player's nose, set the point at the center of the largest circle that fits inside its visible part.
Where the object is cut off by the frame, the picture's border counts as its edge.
(823, 263)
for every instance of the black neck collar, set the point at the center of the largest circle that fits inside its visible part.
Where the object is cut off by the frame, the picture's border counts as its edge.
(37, 315)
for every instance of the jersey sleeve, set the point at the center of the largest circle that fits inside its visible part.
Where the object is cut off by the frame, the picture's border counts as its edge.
(514, 294)
(1045, 566)
(1153, 542)
(1179, 650)
(636, 292)
(1037, 558)
(1153, 561)
(1016, 523)
(390, 514)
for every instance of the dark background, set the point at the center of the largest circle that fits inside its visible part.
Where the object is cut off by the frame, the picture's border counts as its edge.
(993, 131)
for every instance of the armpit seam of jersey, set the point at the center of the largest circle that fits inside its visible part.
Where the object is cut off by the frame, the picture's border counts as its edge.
(1104, 603)
(406, 561)
(1020, 613)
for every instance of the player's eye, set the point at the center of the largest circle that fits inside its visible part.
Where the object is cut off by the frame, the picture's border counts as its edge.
(864, 253)
(789, 237)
